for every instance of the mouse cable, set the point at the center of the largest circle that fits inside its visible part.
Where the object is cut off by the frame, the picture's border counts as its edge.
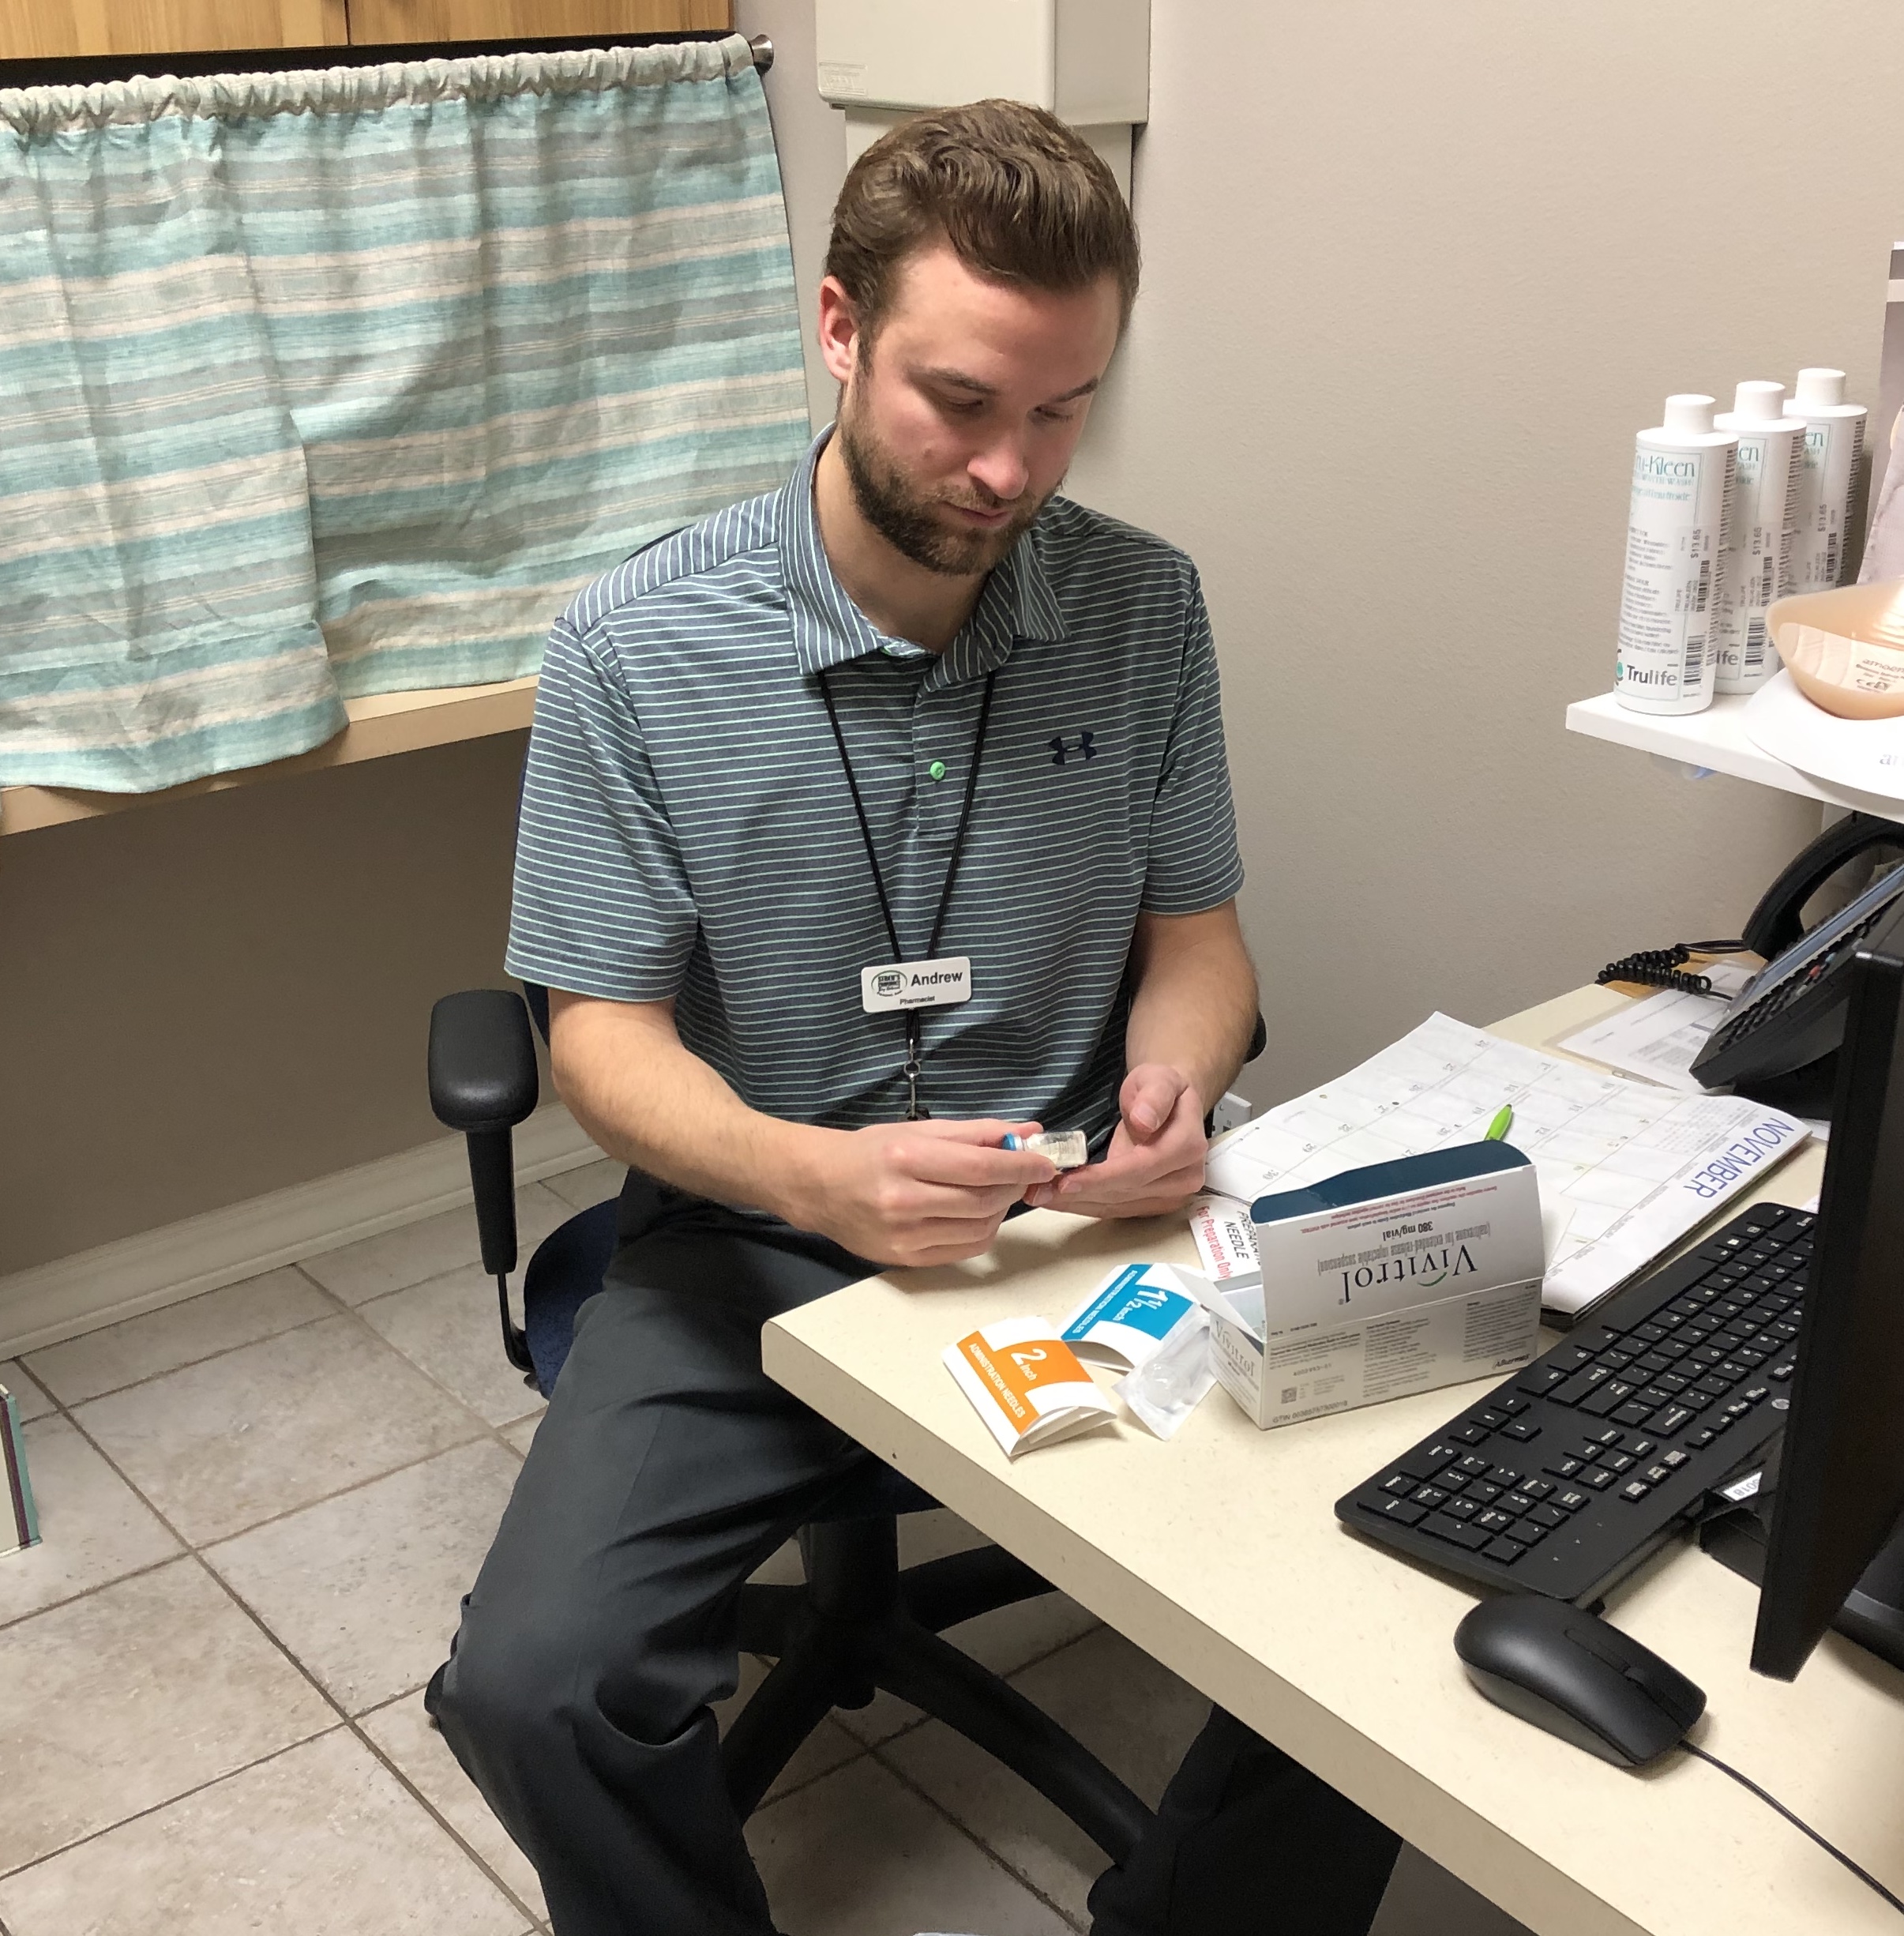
(1771, 1801)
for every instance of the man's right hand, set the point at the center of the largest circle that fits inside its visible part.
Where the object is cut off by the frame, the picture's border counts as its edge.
(914, 1193)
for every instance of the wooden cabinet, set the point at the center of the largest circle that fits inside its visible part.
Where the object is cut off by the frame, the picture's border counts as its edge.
(44, 29)
(372, 20)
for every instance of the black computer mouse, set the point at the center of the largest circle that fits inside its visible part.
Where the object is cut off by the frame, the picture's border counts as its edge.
(1571, 1673)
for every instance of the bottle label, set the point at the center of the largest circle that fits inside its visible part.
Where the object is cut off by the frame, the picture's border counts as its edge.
(1676, 540)
(1832, 447)
(1758, 560)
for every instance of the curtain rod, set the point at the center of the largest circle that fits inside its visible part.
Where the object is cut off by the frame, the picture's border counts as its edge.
(84, 69)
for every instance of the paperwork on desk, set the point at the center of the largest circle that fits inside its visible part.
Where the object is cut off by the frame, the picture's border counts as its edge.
(1634, 1165)
(1658, 1038)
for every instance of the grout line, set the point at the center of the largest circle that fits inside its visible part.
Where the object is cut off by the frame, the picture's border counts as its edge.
(353, 1724)
(449, 1270)
(876, 1751)
(297, 1665)
(920, 1719)
(481, 1429)
(441, 1820)
(979, 1842)
(860, 1749)
(224, 1350)
(322, 1289)
(777, 1795)
(61, 1409)
(323, 1734)
(494, 1431)
(185, 1794)
(912, 1727)
(298, 1266)
(26, 1372)
(118, 1579)
(356, 1485)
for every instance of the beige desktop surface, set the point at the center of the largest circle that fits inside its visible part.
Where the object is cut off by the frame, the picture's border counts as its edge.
(1219, 1554)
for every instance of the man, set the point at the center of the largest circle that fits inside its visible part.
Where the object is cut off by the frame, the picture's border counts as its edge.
(913, 712)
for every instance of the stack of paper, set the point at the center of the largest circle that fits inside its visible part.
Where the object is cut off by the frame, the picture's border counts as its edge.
(1658, 1038)
(1634, 1167)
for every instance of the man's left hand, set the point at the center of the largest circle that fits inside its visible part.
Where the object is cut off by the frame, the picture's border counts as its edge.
(1155, 1162)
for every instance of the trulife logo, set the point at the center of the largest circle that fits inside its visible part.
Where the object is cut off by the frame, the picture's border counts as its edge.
(1072, 747)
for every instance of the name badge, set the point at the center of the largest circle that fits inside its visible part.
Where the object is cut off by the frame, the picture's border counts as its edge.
(916, 985)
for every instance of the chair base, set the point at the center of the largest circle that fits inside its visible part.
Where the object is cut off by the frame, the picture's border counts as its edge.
(860, 1626)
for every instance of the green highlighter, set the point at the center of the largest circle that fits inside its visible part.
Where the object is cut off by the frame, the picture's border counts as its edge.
(1504, 1121)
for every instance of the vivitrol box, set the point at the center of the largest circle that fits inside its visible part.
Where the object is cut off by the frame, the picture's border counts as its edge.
(1386, 1280)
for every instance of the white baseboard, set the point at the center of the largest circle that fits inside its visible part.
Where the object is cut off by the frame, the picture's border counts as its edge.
(71, 1295)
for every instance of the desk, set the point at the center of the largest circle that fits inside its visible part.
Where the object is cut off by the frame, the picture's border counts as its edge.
(1219, 1554)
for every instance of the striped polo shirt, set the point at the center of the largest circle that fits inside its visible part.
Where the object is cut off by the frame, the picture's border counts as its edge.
(687, 831)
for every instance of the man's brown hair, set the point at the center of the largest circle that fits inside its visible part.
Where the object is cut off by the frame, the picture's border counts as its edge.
(1021, 197)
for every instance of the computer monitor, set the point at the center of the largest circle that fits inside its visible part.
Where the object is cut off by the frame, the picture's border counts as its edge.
(1841, 1470)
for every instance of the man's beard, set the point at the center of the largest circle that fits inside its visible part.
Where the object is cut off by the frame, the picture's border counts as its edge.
(904, 516)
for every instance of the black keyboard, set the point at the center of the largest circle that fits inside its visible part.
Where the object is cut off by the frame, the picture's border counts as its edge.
(1568, 1474)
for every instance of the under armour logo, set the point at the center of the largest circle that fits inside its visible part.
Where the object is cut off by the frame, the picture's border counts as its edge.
(1076, 746)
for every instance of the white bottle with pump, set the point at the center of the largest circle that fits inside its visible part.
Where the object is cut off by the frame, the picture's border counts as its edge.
(1676, 538)
(1764, 519)
(1833, 441)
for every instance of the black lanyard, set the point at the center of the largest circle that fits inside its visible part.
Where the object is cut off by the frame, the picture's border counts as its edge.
(914, 1112)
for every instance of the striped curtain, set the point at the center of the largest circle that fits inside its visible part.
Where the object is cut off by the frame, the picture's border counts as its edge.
(322, 384)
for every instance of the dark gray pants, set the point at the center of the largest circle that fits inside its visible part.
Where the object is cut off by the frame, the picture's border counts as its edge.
(601, 1626)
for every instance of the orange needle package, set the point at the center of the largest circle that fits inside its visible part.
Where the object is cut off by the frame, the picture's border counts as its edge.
(1027, 1383)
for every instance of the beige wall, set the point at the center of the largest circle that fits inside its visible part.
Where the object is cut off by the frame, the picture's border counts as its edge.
(221, 996)
(1414, 277)
(812, 141)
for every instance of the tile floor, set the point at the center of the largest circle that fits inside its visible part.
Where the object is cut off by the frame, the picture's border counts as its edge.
(259, 1508)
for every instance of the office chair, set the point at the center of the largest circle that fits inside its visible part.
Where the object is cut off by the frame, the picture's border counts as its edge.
(859, 1624)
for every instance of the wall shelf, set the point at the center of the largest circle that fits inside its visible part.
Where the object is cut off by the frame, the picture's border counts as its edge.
(1714, 739)
(381, 725)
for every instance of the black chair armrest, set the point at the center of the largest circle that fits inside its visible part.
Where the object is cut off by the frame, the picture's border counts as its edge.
(482, 1060)
(482, 1081)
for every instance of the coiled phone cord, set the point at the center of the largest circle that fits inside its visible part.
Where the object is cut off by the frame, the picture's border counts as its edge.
(1659, 968)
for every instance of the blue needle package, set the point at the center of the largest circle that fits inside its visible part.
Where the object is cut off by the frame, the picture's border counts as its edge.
(1127, 1318)
(1386, 1280)
(1144, 1321)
